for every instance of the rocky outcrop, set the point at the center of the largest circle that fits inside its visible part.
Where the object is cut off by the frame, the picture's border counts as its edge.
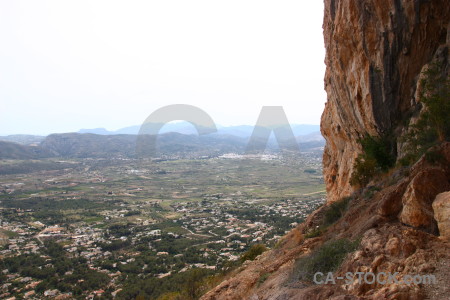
(441, 208)
(394, 249)
(386, 245)
(419, 196)
(374, 54)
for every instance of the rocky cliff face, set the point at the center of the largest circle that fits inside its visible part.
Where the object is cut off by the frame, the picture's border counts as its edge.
(376, 53)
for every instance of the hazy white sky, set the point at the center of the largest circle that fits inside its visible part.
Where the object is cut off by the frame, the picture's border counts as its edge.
(66, 65)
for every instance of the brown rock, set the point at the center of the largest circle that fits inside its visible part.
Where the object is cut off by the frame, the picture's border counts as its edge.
(419, 195)
(398, 292)
(390, 203)
(441, 208)
(372, 241)
(377, 261)
(445, 147)
(393, 246)
(345, 297)
(408, 248)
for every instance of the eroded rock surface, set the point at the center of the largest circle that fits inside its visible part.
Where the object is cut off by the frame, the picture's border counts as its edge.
(419, 196)
(441, 208)
(375, 51)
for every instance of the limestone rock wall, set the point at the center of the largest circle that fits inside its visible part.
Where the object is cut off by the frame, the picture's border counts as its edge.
(375, 50)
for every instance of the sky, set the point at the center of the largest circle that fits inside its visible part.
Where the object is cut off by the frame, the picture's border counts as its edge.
(67, 65)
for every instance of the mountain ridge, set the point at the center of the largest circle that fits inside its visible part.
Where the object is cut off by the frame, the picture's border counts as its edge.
(170, 144)
(187, 128)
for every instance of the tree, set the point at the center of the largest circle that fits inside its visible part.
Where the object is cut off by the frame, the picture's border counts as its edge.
(433, 124)
(376, 158)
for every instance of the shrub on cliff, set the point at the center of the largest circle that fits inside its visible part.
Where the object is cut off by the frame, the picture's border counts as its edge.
(336, 210)
(436, 97)
(253, 252)
(333, 212)
(327, 258)
(376, 158)
(433, 125)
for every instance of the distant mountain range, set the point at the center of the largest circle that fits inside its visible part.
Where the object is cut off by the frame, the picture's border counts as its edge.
(24, 139)
(187, 128)
(174, 140)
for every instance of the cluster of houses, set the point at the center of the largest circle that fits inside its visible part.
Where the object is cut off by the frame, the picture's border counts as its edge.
(210, 220)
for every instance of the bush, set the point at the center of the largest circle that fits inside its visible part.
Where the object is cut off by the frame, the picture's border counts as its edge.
(377, 157)
(336, 210)
(325, 259)
(316, 232)
(253, 252)
(434, 157)
(436, 97)
(195, 283)
(371, 191)
(332, 213)
(187, 285)
(263, 278)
